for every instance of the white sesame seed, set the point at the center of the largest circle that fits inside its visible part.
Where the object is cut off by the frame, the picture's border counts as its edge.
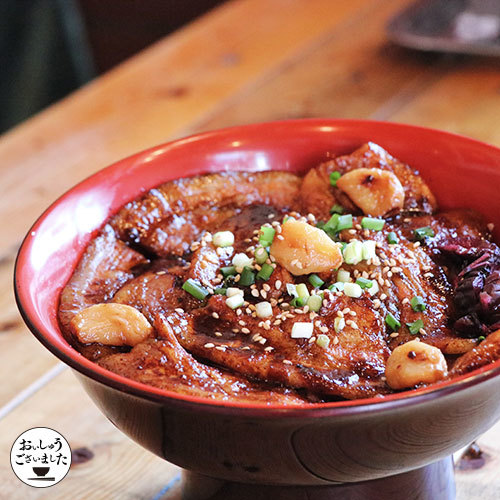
(383, 296)
(255, 292)
(179, 310)
(287, 362)
(209, 345)
(220, 348)
(269, 349)
(218, 334)
(405, 300)
(266, 287)
(215, 315)
(245, 330)
(394, 335)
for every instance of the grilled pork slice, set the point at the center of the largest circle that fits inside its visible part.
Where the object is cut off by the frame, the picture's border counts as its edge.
(318, 196)
(166, 365)
(352, 366)
(488, 351)
(171, 217)
(106, 265)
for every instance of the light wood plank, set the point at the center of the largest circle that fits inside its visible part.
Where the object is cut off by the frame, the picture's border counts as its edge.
(120, 468)
(466, 101)
(352, 73)
(153, 97)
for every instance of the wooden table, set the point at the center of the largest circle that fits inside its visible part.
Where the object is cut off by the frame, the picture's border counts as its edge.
(247, 61)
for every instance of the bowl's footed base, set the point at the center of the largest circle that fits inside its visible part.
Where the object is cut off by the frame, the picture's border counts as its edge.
(435, 481)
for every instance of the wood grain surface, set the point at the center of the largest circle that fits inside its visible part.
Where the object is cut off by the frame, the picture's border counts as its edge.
(246, 61)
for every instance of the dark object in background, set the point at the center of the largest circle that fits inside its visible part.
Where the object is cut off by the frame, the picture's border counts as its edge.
(462, 26)
(48, 48)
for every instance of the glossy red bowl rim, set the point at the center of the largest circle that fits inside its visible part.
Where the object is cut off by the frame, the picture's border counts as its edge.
(66, 353)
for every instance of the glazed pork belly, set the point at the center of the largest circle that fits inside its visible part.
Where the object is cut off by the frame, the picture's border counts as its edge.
(273, 288)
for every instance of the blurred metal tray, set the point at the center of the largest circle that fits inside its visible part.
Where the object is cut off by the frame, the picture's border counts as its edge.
(463, 26)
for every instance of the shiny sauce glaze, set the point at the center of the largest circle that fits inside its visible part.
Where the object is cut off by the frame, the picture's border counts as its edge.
(273, 288)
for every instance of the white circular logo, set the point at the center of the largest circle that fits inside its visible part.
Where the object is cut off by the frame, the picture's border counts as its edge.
(40, 457)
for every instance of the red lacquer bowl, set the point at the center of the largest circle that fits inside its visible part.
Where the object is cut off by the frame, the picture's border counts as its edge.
(332, 443)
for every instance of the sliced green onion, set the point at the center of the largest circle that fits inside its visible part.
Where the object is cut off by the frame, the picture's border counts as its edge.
(331, 225)
(292, 290)
(353, 252)
(298, 301)
(301, 330)
(423, 232)
(235, 301)
(323, 341)
(223, 239)
(266, 235)
(233, 291)
(241, 260)
(343, 276)
(353, 290)
(220, 291)
(337, 209)
(417, 304)
(371, 223)
(315, 302)
(345, 222)
(374, 289)
(228, 271)
(392, 239)
(364, 283)
(369, 247)
(287, 217)
(197, 291)
(315, 281)
(339, 324)
(261, 255)
(302, 290)
(337, 287)
(392, 322)
(415, 326)
(247, 277)
(265, 272)
(334, 177)
(481, 338)
(263, 309)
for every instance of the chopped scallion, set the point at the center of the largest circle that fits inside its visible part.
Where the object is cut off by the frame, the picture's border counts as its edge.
(481, 338)
(392, 322)
(364, 283)
(235, 301)
(337, 209)
(392, 239)
(220, 291)
(247, 277)
(315, 281)
(415, 327)
(343, 276)
(371, 223)
(314, 302)
(345, 222)
(197, 291)
(266, 235)
(331, 225)
(417, 304)
(353, 252)
(302, 330)
(232, 290)
(261, 255)
(374, 289)
(265, 272)
(337, 287)
(369, 247)
(263, 309)
(292, 290)
(302, 290)
(353, 290)
(241, 260)
(223, 239)
(228, 271)
(334, 177)
(298, 301)
(423, 232)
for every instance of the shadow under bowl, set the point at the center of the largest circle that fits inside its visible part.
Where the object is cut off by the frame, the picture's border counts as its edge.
(333, 443)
